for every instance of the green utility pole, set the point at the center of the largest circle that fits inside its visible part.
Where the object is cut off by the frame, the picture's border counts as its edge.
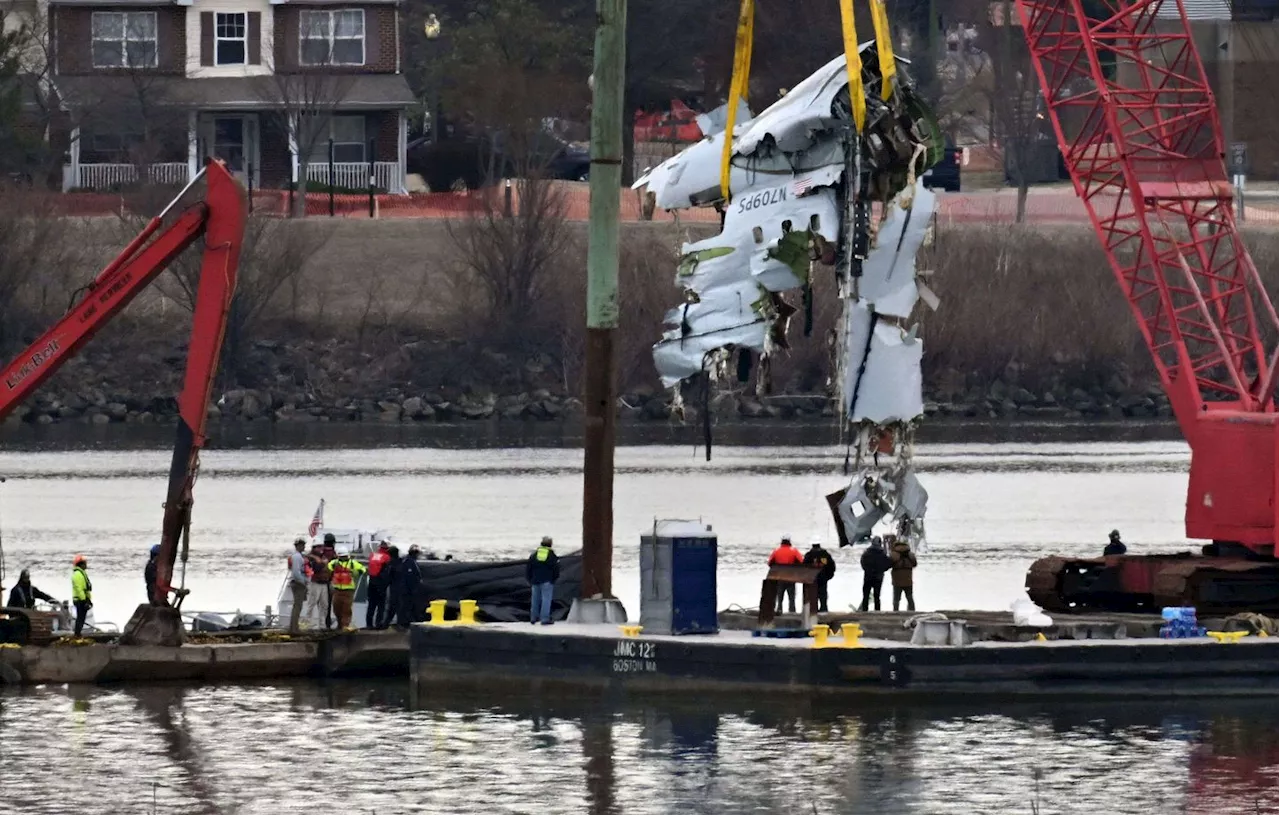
(600, 397)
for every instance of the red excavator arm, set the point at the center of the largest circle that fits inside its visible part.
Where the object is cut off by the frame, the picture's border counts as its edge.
(220, 219)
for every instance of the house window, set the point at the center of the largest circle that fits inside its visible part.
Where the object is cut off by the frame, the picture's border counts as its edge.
(230, 38)
(331, 37)
(124, 39)
(347, 133)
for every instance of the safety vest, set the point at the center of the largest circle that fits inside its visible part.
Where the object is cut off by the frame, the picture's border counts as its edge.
(542, 554)
(81, 588)
(378, 560)
(344, 571)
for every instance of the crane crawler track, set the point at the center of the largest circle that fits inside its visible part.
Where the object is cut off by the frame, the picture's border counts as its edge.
(1212, 585)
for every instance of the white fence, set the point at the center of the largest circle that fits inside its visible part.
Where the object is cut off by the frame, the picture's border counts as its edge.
(355, 175)
(105, 176)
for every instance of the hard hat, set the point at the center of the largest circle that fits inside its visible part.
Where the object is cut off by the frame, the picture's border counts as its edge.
(546, 540)
(1115, 533)
(786, 539)
(155, 549)
(815, 540)
(78, 559)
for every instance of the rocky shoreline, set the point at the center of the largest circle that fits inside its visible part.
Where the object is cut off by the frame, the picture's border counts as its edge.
(314, 386)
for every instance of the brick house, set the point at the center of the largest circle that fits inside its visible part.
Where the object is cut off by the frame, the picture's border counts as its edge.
(153, 87)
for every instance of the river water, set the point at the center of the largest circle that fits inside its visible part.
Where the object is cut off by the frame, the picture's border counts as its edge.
(998, 500)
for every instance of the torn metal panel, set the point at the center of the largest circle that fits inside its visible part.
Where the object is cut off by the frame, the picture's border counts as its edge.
(721, 307)
(890, 387)
(888, 279)
(713, 122)
(858, 512)
(749, 247)
(913, 499)
(791, 122)
(858, 320)
(678, 358)
(692, 177)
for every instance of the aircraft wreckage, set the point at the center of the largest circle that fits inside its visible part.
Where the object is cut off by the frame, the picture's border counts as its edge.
(810, 192)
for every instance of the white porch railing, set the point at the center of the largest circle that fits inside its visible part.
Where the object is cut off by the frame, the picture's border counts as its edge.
(104, 176)
(355, 175)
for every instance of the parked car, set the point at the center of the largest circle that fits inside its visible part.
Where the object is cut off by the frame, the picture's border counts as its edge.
(945, 175)
(468, 163)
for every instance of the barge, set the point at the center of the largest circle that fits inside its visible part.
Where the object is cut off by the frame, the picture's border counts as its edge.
(234, 657)
(604, 660)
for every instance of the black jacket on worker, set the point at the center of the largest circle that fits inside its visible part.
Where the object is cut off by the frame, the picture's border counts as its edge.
(875, 562)
(409, 577)
(149, 577)
(817, 556)
(542, 571)
(24, 595)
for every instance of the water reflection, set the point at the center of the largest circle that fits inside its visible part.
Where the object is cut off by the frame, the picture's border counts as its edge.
(250, 749)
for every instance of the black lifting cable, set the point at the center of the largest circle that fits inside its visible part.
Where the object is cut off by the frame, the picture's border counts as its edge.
(706, 413)
(2, 480)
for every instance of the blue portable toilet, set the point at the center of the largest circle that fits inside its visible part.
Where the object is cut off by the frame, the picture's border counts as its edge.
(678, 579)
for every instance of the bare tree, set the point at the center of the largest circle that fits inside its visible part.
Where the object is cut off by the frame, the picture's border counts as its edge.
(39, 260)
(509, 248)
(302, 103)
(1017, 119)
(274, 254)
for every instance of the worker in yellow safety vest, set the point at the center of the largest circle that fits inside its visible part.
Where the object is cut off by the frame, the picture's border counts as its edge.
(346, 571)
(81, 590)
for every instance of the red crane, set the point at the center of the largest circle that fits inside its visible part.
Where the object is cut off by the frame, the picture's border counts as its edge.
(220, 220)
(1138, 129)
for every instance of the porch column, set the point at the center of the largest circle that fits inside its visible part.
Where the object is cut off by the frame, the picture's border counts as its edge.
(193, 145)
(293, 147)
(71, 170)
(402, 149)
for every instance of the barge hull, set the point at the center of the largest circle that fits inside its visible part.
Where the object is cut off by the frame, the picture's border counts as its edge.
(603, 661)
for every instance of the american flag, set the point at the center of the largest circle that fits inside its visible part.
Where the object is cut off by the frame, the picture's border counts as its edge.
(801, 186)
(316, 520)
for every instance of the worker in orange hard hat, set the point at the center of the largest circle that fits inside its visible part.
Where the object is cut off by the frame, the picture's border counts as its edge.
(81, 590)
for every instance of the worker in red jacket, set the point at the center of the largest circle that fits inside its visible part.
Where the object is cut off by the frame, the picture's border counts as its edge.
(786, 555)
(379, 577)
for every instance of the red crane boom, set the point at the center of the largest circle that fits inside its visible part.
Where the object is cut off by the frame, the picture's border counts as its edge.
(1138, 129)
(220, 220)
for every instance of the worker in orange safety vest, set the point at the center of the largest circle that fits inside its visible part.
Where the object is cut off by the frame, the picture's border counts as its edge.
(786, 555)
(379, 578)
(346, 571)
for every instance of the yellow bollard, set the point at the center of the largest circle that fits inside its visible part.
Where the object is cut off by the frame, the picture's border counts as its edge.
(437, 611)
(631, 630)
(1041, 637)
(851, 633)
(1262, 633)
(819, 634)
(467, 612)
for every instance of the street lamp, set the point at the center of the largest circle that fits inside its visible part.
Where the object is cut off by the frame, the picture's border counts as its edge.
(431, 29)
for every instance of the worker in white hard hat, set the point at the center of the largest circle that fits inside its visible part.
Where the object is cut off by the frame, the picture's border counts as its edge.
(786, 555)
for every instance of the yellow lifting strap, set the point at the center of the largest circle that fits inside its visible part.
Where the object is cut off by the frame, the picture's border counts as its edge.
(884, 48)
(853, 64)
(737, 86)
